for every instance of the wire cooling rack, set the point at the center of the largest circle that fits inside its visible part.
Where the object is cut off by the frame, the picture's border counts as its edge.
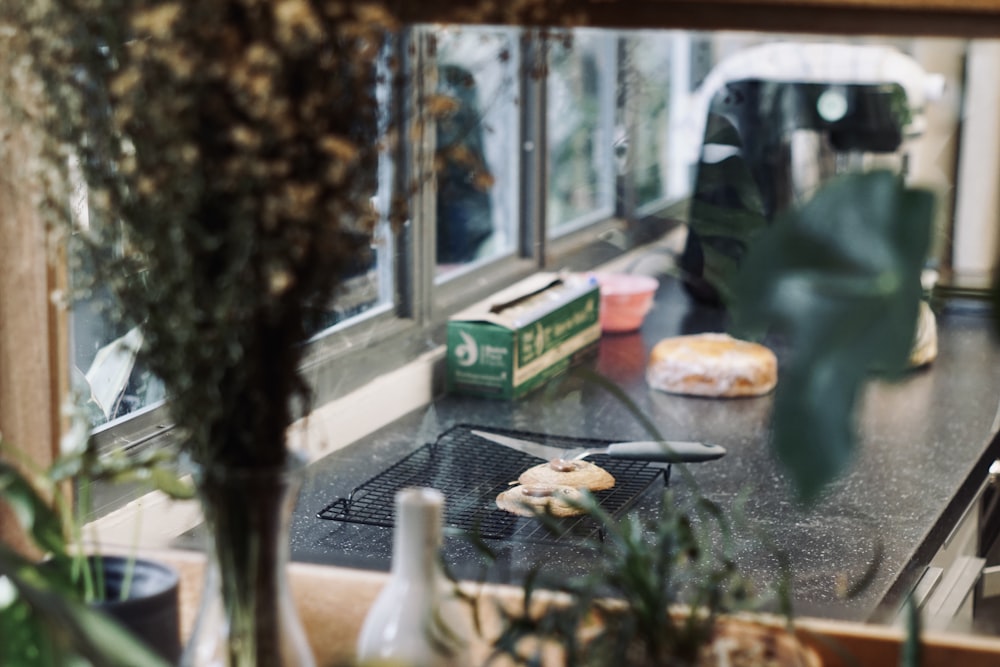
(470, 471)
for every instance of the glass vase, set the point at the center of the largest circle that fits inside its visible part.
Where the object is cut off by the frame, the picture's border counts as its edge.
(247, 617)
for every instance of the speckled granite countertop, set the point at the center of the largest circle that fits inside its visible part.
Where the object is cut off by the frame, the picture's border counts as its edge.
(925, 446)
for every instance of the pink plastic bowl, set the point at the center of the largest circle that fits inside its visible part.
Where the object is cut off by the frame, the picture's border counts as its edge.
(625, 300)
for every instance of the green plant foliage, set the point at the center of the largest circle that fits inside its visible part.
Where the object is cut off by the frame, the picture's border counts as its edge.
(727, 211)
(910, 656)
(840, 279)
(154, 467)
(42, 522)
(45, 619)
(47, 625)
(653, 594)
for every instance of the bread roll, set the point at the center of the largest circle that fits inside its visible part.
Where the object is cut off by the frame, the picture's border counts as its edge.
(579, 474)
(529, 499)
(711, 364)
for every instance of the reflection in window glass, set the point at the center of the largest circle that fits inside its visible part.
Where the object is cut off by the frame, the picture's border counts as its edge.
(780, 118)
(580, 119)
(646, 69)
(477, 144)
(105, 373)
(105, 370)
(656, 103)
(828, 109)
(367, 286)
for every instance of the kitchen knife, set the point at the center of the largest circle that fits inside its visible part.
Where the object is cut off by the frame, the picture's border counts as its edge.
(668, 451)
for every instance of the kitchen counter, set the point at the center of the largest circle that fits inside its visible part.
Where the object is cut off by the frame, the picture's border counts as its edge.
(925, 445)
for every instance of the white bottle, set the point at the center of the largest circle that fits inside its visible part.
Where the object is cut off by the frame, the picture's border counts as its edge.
(416, 620)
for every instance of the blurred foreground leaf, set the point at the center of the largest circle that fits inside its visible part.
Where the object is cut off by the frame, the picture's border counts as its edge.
(910, 656)
(995, 297)
(32, 510)
(60, 630)
(840, 279)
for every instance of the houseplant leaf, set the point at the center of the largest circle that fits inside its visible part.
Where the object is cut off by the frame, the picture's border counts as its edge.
(33, 512)
(72, 624)
(840, 279)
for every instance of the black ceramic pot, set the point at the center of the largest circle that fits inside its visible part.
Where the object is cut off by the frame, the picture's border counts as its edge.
(151, 610)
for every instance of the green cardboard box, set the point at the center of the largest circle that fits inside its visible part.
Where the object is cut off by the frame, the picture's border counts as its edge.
(514, 342)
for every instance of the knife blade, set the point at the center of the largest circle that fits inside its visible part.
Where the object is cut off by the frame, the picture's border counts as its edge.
(668, 451)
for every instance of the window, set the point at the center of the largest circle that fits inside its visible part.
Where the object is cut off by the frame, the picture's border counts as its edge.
(538, 142)
(580, 110)
(476, 151)
(105, 375)
(505, 132)
(652, 68)
(106, 370)
(368, 287)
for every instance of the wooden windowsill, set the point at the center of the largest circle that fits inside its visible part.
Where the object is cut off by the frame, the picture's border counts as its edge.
(333, 624)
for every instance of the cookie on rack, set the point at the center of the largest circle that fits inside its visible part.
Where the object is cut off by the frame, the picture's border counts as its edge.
(576, 473)
(530, 499)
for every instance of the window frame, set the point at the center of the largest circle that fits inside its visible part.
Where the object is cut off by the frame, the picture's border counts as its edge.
(392, 334)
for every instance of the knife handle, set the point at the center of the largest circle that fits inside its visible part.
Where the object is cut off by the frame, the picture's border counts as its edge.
(668, 451)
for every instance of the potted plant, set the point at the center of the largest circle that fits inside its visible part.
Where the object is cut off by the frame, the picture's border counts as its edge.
(76, 600)
(228, 151)
(664, 591)
(661, 589)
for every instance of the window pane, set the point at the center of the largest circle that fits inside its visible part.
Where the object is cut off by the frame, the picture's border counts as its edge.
(105, 373)
(647, 70)
(478, 135)
(112, 382)
(777, 118)
(105, 369)
(367, 286)
(580, 119)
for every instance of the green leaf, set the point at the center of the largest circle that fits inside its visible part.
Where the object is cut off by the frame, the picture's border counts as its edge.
(33, 512)
(727, 211)
(90, 633)
(840, 279)
(66, 467)
(170, 483)
(910, 656)
(729, 180)
(711, 220)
